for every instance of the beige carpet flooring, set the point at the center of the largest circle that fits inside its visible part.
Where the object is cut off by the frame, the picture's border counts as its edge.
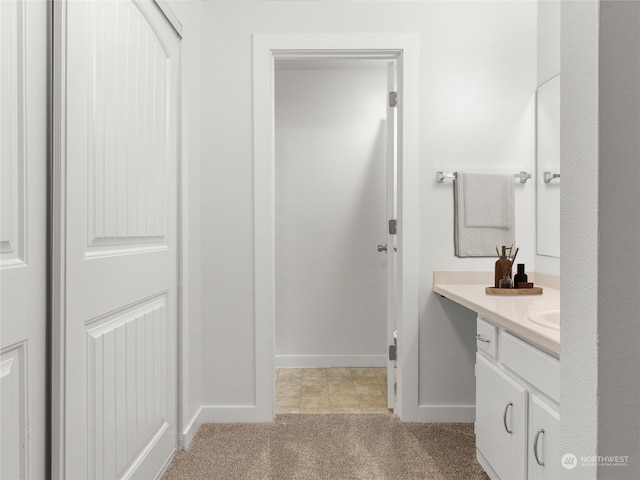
(336, 447)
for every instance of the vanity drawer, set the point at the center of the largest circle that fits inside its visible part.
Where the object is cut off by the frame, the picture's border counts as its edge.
(538, 368)
(486, 338)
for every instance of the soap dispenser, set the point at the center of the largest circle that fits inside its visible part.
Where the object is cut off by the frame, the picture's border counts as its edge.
(520, 277)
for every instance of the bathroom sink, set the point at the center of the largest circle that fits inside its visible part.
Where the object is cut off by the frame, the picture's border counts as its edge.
(546, 318)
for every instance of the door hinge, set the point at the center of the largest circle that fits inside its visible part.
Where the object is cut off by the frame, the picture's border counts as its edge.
(393, 349)
(393, 99)
(393, 226)
(393, 353)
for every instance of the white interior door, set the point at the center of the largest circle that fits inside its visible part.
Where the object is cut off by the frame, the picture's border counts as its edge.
(23, 186)
(392, 217)
(119, 323)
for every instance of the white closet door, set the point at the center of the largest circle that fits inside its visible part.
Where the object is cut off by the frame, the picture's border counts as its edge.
(23, 187)
(119, 325)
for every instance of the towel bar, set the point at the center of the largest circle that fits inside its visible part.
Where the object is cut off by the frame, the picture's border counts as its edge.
(441, 176)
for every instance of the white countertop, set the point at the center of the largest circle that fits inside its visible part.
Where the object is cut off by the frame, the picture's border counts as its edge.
(509, 311)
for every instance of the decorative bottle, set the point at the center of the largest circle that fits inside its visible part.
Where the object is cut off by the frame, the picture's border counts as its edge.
(502, 268)
(520, 277)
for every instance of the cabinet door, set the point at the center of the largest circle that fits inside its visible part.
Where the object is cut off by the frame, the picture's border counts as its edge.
(501, 421)
(544, 446)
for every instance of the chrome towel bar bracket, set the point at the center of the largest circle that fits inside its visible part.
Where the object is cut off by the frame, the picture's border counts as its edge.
(548, 176)
(441, 176)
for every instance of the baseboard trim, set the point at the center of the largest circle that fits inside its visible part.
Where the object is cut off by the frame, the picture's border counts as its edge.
(191, 430)
(221, 414)
(447, 413)
(232, 414)
(251, 414)
(330, 361)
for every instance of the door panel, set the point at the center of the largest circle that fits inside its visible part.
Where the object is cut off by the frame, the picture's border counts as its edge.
(547, 449)
(501, 404)
(13, 116)
(125, 355)
(120, 291)
(23, 167)
(13, 412)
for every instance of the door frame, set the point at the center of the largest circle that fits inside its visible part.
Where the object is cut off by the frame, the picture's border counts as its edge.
(266, 49)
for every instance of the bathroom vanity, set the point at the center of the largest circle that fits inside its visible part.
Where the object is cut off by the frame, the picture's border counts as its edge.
(517, 380)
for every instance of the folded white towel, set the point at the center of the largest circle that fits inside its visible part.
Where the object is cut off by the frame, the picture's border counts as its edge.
(484, 213)
(488, 200)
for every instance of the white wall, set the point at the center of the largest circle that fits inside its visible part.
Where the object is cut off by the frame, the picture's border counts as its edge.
(478, 77)
(600, 236)
(579, 234)
(619, 236)
(330, 215)
(188, 13)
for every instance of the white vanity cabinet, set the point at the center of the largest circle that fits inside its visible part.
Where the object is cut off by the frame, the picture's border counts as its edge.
(517, 395)
(501, 420)
(544, 442)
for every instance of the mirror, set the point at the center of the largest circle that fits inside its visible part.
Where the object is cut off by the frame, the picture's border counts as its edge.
(548, 169)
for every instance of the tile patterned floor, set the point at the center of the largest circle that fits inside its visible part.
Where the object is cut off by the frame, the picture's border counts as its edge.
(331, 390)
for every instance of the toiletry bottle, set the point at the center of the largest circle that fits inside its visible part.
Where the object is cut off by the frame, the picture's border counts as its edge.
(520, 276)
(502, 265)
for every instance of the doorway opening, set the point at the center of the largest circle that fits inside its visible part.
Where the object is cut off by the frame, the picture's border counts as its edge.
(334, 194)
(267, 49)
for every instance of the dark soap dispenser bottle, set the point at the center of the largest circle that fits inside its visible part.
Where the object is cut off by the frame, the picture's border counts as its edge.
(520, 276)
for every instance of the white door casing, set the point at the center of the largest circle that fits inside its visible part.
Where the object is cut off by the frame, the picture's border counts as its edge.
(117, 67)
(23, 187)
(404, 47)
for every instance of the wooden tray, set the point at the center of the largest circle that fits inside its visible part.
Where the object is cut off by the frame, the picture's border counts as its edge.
(513, 291)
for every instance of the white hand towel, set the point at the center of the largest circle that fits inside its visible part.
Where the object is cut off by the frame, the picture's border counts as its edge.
(488, 200)
(483, 213)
